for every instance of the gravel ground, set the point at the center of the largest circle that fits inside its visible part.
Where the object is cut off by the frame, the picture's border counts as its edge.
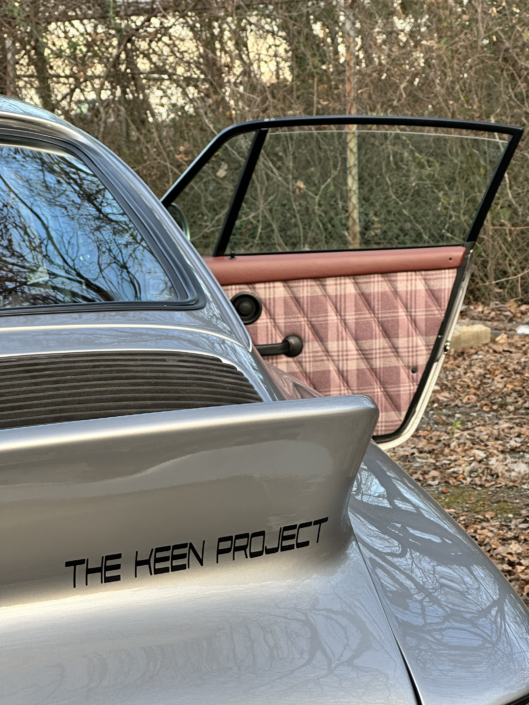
(471, 451)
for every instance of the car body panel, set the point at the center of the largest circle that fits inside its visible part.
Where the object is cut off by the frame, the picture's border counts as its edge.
(328, 623)
(462, 628)
(310, 636)
(142, 319)
(300, 625)
(324, 625)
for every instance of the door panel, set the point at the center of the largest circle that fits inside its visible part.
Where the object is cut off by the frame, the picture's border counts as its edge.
(356, 234)
(366, 334)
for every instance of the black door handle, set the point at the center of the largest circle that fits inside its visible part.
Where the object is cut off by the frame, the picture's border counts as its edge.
(291, 346)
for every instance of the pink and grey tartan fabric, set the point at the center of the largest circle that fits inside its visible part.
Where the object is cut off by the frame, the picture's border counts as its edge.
(370, 334)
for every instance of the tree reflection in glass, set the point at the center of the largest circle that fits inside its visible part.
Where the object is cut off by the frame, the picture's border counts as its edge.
(64, 239)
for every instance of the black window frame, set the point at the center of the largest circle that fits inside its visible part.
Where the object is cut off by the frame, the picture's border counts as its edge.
(262, 127)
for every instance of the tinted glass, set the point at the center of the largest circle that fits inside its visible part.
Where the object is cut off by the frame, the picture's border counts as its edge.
(64, 238)
(345, 188)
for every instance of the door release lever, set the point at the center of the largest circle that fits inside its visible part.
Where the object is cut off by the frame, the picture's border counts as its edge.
(291, 346)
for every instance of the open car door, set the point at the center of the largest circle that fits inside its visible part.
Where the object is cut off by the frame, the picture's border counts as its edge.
(345, 244)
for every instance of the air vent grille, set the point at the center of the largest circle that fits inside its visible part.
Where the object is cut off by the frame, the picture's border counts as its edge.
(44, 389)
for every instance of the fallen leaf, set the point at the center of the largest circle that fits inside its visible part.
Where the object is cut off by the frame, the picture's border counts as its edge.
(221, 173)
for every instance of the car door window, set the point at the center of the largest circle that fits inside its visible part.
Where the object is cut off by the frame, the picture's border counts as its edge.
(205, 202)
(337, 189)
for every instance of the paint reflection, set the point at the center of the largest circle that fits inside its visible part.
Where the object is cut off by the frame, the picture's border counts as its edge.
(460, 624)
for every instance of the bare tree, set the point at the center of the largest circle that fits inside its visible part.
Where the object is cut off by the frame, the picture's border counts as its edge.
(156, 79)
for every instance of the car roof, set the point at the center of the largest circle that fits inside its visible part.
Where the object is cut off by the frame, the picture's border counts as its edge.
(18, 110)
(13, 106)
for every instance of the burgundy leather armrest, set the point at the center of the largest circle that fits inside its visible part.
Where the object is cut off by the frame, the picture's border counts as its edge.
(250, 269)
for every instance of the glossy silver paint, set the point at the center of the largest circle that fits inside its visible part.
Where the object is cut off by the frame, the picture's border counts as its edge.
(333, 622)
(299, 626)
(462, 628)
(263, 636)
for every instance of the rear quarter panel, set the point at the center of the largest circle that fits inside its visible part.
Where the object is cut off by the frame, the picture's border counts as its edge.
(462, 629)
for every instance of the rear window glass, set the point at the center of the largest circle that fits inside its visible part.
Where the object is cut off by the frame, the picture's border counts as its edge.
(64, 239)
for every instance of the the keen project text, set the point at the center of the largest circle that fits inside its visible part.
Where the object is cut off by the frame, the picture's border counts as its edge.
(182, 556)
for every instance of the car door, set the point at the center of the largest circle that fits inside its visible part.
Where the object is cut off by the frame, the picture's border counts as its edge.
(345, 244)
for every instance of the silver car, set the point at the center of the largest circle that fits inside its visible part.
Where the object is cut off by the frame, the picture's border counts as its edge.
(197, 506)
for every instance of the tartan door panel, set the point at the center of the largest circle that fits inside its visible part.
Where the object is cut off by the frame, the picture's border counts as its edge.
(371, 334)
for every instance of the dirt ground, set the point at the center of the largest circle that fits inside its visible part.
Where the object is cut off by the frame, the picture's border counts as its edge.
(471, 451)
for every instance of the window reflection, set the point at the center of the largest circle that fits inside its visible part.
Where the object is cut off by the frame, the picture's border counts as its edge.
(64, 239)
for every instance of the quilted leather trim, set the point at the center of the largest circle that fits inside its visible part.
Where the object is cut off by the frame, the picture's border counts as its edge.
(370, 334)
